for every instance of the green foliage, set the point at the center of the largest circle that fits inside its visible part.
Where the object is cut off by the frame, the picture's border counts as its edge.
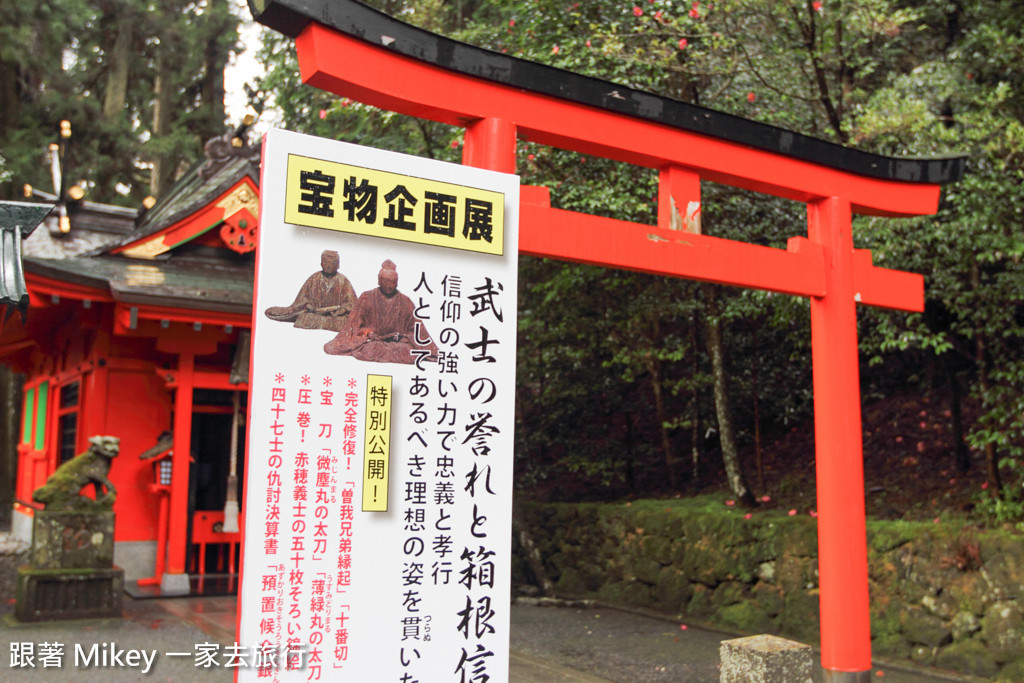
(614, 378)
(140, 84)
(1008, 506)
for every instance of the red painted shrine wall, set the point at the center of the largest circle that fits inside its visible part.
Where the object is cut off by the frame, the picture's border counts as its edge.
(139, 422)
(107, 387)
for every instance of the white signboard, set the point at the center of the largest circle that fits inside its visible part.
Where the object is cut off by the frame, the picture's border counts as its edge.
(379, 472)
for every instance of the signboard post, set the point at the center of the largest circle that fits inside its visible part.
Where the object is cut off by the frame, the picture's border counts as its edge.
(379, 470)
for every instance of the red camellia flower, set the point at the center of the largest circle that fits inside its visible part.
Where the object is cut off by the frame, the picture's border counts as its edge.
(695, 13)
(637, 11)
(683, 43)
(554, 50)
(751, 96)
(816, 5)
(658, 15)
(323, 113)
(511, 23)
(588, 42)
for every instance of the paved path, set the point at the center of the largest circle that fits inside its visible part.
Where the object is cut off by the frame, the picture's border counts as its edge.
(625, 647)
(549, 645)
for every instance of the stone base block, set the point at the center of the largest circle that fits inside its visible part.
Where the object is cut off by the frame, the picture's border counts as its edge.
(765, 659)
(56, 594)
(66, 540)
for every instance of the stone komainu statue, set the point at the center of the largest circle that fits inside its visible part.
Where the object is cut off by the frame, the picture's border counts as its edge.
(61, 490)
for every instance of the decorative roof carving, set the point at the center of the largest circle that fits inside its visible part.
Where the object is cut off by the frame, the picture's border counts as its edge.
(221, 150)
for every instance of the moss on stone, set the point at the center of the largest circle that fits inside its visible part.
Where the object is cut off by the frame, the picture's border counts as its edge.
(747, 617)
(768, 597)
(728, 593)
(570, 583)
(921, 628)
(969, 656)
(657, 549)
(891, 645)
(698, 557)
(799, 618)
(672, 591)
(626, 593)
(1002, 630)
(1012, 672)
(699, 606)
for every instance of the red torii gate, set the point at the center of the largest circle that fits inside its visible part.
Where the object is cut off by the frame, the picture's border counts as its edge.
(351, 50)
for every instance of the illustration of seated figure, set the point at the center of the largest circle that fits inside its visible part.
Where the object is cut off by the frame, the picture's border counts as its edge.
(323, 302)
(382, 326)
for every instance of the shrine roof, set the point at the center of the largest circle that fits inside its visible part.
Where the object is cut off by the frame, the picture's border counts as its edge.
(201, 184)
(356, 20)
(197, 279)
(93, 225)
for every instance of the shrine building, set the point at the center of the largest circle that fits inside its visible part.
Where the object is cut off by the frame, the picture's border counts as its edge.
(138, 327)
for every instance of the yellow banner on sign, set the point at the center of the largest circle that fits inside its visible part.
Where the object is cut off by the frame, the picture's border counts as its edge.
(365, 201)
(377, 443)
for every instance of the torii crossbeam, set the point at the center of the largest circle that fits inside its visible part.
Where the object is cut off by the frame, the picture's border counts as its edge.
(353, 51)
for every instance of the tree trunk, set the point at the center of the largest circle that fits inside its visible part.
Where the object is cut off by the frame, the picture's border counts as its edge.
(215, 58)
(991, 461)
(630, 453)
(695, 434)
(727, 438)
(162, 174)
(654, 367)
(9, 102)
(10, 401)
(757, 418)
(116, 95)
(963, 457)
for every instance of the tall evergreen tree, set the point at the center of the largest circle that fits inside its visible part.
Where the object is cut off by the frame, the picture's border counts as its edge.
(142, 86)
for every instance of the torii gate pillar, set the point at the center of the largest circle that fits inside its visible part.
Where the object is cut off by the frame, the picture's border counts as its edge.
(842, 533)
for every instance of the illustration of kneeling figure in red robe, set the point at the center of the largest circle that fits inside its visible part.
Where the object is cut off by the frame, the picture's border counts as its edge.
(382, 327)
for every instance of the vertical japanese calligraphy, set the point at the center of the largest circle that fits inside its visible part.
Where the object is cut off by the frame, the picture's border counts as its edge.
(377, 450)
(379, 473)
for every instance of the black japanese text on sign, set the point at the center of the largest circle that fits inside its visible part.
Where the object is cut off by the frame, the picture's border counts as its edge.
(378, 443)
(364, 201)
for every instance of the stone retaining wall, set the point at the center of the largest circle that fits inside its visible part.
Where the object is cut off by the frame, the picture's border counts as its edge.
(941, 595)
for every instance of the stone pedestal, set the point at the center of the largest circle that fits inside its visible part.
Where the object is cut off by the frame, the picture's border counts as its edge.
(72, 540)
(765, 659)
(53, 594)
(72, 573)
